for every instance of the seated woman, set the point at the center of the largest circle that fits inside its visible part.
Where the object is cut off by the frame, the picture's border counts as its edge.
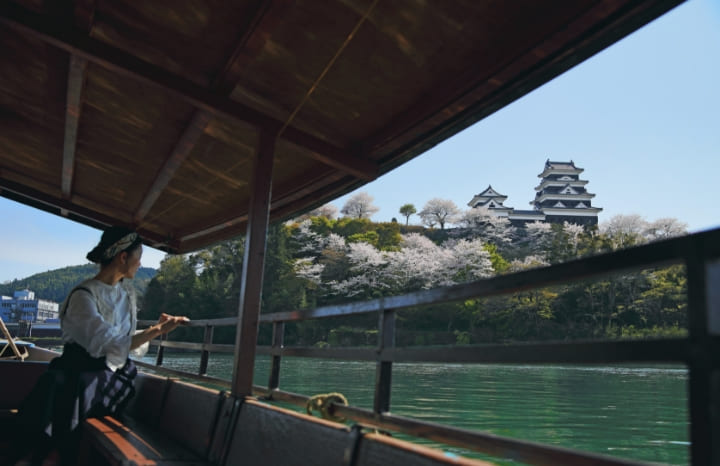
(94, 376)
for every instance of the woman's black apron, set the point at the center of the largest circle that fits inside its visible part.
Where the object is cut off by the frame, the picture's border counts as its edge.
(75, 387)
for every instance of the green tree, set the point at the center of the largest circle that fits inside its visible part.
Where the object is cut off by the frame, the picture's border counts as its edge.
(407, 210)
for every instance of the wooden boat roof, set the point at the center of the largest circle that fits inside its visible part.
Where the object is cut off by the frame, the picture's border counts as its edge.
(149, 114)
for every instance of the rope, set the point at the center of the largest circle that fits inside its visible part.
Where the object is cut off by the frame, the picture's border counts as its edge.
(323, 403)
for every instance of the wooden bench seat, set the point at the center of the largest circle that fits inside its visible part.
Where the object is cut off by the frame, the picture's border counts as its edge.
(169, 422)
(128, 442)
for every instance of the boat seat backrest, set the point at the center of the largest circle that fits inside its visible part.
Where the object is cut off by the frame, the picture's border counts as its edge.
(17, 379)
(149, 397)
(189, 415)
(268, 435)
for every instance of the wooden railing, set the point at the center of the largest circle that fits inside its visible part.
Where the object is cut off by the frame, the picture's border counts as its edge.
(699, 351)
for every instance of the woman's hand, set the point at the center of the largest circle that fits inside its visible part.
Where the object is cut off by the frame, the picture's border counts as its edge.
(168, 323)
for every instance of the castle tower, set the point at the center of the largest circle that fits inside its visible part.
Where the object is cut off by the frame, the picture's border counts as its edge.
(562, 197)
(491, 200)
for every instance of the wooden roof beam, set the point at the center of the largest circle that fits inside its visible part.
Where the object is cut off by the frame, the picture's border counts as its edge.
(223, 84)
(120, 62)
(255, 32)
(83, 15)
(76, 80)
(180, 152)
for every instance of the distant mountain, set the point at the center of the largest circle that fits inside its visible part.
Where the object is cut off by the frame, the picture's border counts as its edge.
(54, 285)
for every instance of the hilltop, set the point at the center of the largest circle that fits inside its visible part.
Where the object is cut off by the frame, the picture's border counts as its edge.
(54, 285)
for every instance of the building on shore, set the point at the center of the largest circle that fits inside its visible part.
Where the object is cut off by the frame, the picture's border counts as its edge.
(23, 306)
(560, 197)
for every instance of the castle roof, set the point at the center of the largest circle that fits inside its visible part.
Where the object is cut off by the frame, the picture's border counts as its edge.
(551, 166)
(490, 192)
(487, 195)
(560, 165)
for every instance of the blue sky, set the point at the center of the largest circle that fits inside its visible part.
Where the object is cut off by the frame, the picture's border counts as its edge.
(642, 118)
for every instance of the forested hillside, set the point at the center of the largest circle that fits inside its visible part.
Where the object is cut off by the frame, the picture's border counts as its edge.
(320, 260)
(54, 285)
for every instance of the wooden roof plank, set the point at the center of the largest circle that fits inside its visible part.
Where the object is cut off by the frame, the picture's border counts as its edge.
(126, 64)
(253, 37)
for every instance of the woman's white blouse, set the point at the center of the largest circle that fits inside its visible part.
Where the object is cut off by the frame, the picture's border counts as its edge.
(102, 322)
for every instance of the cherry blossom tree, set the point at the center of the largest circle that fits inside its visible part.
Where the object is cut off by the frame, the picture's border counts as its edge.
(539, 235)
(663, 228)
(624, 231)
(418, 264)
(490, 227)
(308, 240)
(307, 268)
(328, 211)
(573, 234)
(466, 260)
(367, 266)
(528, 262)
(439, 211)
(360, 206)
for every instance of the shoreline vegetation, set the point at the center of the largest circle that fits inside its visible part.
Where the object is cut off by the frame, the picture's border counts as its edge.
(318, 260)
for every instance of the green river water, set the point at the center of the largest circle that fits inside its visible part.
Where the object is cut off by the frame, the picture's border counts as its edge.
(635, 412)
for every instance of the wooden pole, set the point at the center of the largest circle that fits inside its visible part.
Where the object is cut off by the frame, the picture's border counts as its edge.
(253, 267)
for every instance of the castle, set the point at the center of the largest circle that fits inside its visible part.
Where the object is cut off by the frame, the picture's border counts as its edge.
(561, 197)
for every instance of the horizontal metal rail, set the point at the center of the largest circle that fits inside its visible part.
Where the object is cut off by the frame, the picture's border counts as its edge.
(185, 375)
(222, 322)
(214, 347)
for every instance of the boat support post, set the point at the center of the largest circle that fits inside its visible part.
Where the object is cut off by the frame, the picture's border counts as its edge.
(253, 267)
(704, 369)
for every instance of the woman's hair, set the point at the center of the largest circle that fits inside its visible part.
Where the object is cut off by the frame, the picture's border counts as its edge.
(114, 240)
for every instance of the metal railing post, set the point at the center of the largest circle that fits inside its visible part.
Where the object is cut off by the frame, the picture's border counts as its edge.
(205, 354)
(703, 369)
(383, 371)
(277, 343)
(160, 351)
